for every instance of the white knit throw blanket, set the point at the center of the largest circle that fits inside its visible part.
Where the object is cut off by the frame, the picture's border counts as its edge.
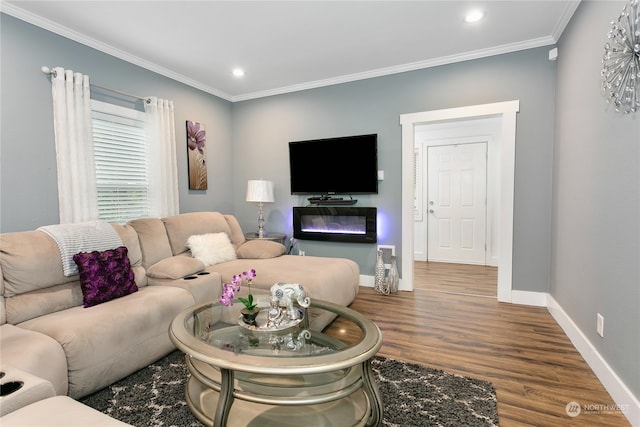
(81, 237)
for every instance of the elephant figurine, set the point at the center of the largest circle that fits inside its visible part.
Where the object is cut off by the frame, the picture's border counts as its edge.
(287, 293)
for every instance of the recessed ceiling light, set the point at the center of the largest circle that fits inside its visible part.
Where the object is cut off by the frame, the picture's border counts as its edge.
(238, 72)
(473, 16)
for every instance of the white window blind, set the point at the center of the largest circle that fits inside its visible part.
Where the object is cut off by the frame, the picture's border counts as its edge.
(120, 150)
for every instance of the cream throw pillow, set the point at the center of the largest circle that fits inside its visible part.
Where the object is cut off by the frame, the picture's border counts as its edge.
(212, 248)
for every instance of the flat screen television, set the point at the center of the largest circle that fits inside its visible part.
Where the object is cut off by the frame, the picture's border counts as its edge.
(345, 165)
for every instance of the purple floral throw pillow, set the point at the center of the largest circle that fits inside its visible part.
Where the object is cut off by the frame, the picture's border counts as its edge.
(105, 275)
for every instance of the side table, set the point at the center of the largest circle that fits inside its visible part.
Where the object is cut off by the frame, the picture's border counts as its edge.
(276, 237)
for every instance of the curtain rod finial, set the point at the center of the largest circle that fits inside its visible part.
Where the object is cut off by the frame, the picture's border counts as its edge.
(45, 69)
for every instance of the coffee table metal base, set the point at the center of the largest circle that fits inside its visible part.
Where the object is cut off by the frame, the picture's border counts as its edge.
(216, 398)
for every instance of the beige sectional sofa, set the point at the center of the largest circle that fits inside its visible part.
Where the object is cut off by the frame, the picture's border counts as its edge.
(46, 331)
(167, 257)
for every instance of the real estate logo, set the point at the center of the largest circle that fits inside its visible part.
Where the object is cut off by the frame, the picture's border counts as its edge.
(573, 409)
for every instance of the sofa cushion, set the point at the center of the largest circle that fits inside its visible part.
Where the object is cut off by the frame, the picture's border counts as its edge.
(211, 248)
(181, 227)
(105, 275)
(30, 261)
(237, 235)
(109, 341)
(129, 238)
(260, 249)
(154, 243)
(30, 305)
(175, 267)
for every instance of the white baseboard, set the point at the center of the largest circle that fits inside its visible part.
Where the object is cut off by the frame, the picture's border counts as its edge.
(370, 281)
(627, 403)
(367, 281)
(537, 299)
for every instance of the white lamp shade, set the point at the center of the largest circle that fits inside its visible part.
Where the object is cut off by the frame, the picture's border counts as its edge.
(260, 191)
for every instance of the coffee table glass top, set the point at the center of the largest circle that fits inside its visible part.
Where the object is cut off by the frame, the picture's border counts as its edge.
(211, 332)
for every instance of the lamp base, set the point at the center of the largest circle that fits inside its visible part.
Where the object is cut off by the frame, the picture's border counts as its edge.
(260, 220)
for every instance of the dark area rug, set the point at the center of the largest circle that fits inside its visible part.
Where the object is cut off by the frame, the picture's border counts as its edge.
(412, 396)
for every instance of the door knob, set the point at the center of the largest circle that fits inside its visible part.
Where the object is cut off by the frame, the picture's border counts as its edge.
(430, 210)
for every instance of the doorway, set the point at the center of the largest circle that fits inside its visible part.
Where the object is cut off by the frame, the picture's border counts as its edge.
(457, 203)
(506, 112)
(453, 213)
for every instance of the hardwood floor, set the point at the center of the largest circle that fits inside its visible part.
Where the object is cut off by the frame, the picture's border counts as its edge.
(521, 350)
(463, 279)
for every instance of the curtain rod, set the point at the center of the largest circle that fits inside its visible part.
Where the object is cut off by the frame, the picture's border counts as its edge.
(49, 71)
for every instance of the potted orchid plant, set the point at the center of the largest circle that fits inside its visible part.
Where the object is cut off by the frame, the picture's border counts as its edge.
(251, 309)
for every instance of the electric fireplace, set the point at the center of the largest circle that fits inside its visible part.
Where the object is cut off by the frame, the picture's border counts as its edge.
(335, 224)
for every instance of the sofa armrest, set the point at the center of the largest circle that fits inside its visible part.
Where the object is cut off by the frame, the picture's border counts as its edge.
(204, 286)
(32, 390)
(175, 267)
(35, 353)
(260, 249)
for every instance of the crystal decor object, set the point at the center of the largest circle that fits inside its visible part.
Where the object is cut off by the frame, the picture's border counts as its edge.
(621, 61)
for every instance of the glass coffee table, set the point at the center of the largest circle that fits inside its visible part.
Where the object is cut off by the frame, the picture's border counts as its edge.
(289, 377)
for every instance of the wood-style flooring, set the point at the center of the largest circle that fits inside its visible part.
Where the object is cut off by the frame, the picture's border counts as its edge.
(451, 322)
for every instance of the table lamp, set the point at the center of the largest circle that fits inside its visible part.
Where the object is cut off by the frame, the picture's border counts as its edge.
(261, 192)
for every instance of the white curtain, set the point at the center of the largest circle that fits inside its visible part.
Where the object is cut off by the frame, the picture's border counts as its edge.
(163, 165)
(77, 192)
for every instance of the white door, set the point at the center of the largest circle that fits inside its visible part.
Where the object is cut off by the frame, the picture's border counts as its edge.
(457, 203)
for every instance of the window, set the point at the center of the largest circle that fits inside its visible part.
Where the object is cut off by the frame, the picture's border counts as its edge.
(120, 151)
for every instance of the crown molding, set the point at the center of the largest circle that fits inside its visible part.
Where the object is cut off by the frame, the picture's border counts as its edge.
(46, 24)
(31, 18)
(451, 59)
(568, 12)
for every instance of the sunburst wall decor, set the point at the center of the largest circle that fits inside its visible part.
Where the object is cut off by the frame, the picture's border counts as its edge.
(621, 61)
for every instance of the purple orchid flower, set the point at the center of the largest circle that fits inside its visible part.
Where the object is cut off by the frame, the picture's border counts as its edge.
(196, 137)
(236, 282)
(229, 290)
(227, 295)
(249, 275)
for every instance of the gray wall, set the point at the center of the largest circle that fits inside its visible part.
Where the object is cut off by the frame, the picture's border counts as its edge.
(28, 192)
(595, 246)
(262, 128)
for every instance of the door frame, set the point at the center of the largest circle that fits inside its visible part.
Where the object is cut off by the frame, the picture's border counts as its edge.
(507, 112)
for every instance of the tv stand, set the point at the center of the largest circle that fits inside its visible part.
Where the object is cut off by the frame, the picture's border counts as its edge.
(325, 200)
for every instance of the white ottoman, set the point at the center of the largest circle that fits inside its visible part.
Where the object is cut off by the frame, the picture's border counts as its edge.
(60, 411)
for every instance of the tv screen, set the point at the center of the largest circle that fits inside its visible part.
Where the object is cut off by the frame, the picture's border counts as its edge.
(345, 165)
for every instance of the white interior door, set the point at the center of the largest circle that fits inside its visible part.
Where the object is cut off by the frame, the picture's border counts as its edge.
(457, 203)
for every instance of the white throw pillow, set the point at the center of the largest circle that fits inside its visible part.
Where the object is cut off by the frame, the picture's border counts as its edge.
(212, 248)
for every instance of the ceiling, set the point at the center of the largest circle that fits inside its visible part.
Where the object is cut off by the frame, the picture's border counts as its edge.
(286, 46)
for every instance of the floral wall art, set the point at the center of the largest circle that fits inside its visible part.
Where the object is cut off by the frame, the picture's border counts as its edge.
(196, 139)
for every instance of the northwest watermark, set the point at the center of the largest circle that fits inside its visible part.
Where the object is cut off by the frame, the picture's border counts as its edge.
(573, 409)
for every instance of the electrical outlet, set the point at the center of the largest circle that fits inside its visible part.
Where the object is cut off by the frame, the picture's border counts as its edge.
(600, 324)
(387, 252)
